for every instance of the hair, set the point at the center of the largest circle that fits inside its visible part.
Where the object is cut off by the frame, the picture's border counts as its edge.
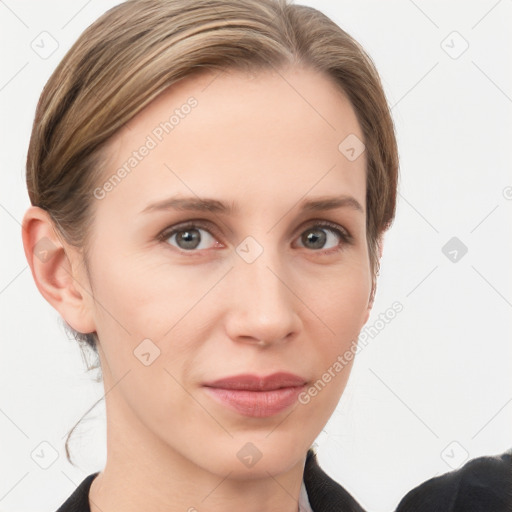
(137, 49)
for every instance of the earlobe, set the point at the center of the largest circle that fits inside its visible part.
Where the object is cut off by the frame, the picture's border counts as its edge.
(53, 271)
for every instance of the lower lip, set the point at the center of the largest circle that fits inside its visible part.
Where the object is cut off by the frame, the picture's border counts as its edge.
(258, 404)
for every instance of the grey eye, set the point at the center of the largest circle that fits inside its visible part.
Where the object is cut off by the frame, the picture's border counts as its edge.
(190, 238)
(316, 237)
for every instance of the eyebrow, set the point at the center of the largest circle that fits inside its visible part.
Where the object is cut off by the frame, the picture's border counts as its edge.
(215, 206)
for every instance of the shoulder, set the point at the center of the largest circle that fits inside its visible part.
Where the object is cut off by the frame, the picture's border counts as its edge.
(483, 484)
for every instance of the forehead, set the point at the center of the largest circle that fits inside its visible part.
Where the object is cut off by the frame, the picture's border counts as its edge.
(264, 134)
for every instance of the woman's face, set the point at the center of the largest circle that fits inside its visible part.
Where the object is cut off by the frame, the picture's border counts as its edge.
(175, 311)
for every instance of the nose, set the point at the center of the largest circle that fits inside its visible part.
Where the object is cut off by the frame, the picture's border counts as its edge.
(263, 310)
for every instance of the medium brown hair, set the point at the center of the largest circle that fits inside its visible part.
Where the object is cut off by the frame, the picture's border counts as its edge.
(139, 48)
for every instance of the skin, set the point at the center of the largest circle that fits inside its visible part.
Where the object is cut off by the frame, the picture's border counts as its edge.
(252, 140)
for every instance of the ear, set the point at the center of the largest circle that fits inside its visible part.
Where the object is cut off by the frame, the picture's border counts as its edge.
(380, 245)
(57, 270)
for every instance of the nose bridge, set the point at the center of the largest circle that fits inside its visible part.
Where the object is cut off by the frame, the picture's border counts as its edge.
(262, 306)
(259, 267)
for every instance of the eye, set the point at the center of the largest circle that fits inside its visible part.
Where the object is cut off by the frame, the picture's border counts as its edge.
(188, 237)
(316, 237)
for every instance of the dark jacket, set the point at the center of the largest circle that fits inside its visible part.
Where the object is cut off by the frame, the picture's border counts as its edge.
(481, 485)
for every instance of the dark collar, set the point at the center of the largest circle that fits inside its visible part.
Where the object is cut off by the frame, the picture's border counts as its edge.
(79, 500)
(325, 494)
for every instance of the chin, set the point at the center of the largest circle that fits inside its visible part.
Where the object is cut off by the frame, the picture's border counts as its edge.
(254, 456)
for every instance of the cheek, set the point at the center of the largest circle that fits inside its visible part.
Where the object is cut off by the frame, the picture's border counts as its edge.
(341, 306)
(342, 299)
(139, 299)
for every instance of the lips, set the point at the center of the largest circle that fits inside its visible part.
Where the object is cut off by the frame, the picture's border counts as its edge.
(255, 396)
(255, 383)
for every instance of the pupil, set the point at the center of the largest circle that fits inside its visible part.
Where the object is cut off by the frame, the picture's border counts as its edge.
(190, 238)
(316, 236)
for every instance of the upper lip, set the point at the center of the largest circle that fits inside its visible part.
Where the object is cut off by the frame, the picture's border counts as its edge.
(255, 383)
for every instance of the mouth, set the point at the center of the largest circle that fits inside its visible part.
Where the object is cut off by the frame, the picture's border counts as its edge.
(254, 396)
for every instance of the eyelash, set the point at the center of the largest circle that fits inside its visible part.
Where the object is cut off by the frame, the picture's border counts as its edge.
(342, 233)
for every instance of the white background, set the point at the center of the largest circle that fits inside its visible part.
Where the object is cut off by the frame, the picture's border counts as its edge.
(434, 386)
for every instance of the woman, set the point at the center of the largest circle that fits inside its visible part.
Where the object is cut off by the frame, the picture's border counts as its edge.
(211, 182)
